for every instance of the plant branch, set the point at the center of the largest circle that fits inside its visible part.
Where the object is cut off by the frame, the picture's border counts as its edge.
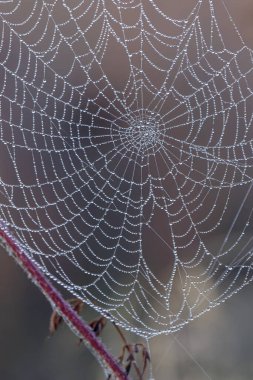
(75, 323)
(129, 348)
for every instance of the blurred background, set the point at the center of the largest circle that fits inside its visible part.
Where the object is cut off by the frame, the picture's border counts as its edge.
(216, 346)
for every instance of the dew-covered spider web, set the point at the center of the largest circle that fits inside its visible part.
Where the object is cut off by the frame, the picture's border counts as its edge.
(127, 151)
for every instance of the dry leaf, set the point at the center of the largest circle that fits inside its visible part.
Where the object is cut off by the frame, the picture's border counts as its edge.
(56, 319)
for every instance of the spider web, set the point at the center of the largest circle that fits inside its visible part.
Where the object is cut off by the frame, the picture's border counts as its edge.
(126, 153)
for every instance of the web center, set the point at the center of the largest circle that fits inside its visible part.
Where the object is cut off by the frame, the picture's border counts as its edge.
(141, 133)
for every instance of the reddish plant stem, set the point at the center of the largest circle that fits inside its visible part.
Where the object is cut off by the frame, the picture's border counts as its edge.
(76, 324)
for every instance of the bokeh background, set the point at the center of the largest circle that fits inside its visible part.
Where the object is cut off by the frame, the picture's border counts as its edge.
(218, 345)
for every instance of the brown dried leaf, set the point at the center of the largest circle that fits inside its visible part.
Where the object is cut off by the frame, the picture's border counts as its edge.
(56, 319)
(130, 358)
(98, 325)
(76, 304)
(146, 359)
(128, 367)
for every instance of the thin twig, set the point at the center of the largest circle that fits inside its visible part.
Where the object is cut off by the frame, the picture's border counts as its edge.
(128, 347)
(75, 323)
